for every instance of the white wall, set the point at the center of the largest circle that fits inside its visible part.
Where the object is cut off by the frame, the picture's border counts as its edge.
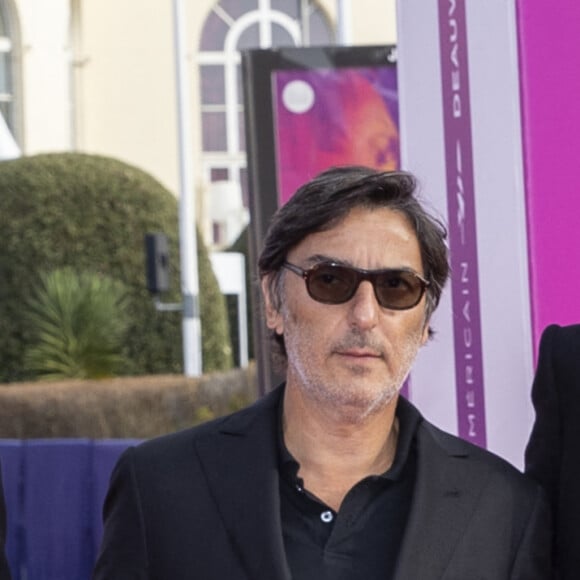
(98, 75)
(45, 74)
(125, 84)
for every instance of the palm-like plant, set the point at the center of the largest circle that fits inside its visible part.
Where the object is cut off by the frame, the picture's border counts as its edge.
(80, 321)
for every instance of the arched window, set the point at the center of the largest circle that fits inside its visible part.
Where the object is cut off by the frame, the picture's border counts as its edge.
(231, 26)
(8, 68)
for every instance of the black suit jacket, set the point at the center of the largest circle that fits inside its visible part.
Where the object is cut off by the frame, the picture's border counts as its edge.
(553, 452)
(204, 504)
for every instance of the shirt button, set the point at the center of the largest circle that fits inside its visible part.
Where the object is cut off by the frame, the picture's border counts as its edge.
(326, 516)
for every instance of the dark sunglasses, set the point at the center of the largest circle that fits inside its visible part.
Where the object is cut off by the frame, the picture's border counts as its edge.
(331, 283)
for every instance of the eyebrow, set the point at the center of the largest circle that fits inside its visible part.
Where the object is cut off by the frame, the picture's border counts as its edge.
(318, 258)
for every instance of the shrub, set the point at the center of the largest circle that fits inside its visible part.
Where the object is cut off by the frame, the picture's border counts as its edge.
(121, 407)
(79, 321)
(91, 213)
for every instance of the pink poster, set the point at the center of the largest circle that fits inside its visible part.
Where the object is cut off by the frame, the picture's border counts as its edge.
(550, 86)
(332, 117)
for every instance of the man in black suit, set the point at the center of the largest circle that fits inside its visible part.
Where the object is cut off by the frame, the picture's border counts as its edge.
(332, 475)
(553, 452)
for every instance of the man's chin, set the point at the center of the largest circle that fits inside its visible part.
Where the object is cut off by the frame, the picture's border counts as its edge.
(363, 403)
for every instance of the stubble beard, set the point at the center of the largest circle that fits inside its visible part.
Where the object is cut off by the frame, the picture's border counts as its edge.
(348, 394)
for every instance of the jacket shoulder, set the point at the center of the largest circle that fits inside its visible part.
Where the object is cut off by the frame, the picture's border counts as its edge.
(477, 459)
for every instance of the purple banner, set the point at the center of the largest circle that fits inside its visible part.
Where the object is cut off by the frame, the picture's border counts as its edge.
(462, 226)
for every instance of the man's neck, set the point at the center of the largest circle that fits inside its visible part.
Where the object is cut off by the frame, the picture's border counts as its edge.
(336, 450)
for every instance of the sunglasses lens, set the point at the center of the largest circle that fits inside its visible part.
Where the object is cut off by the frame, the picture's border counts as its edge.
(331, 284)
(334, 284)
(398, 289)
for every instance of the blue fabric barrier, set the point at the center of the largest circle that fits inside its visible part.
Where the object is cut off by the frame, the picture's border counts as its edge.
(54, 491)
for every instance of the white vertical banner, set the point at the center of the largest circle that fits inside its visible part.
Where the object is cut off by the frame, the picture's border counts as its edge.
(461, 135)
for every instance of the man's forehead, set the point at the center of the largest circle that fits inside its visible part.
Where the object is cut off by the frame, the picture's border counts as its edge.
(383, 220)
(371, 238)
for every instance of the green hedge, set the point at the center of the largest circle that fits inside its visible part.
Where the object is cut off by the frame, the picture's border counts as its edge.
(91, 213)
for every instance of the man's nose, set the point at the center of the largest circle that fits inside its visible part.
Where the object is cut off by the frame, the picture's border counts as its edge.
(364, 308)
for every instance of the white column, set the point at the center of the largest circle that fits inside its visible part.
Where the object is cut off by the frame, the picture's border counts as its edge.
(344, 22)
(192, 363)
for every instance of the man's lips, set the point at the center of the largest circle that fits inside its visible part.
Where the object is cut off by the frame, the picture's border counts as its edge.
(359, 353)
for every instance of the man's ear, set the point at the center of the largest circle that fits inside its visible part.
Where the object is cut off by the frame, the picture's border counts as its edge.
(273, 317)
(426, 333)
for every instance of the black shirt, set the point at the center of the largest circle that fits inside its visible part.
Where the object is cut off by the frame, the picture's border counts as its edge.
(363, 539)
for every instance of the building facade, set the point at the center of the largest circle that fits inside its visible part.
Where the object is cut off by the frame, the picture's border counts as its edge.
(98, 76)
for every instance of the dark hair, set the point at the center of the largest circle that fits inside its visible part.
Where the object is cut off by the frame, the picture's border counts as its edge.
(321, 203)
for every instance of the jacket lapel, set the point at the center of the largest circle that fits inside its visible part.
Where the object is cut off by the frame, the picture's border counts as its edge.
(240, 463)
(444, 500)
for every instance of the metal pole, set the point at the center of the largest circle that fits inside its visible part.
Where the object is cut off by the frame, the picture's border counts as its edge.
(192, 364)
(344, 22)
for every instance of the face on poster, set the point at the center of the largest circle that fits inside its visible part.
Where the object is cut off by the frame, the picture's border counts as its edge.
(331, 117)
